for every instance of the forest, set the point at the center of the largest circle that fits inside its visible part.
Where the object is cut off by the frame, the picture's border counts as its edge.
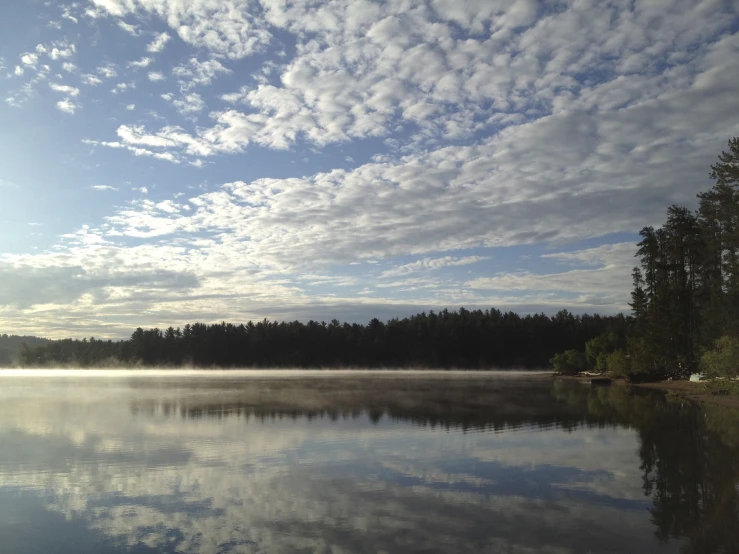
(468, 339)
(685, 299)
(10, 347)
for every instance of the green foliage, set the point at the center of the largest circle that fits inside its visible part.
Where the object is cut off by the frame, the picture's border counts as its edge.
(722, 360)
(722, 387)
(598, 349)
(618, 363)
(641, 356)
(569, 362)
(601, 362)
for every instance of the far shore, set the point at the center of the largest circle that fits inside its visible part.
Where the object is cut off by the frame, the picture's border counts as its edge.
(266, 371)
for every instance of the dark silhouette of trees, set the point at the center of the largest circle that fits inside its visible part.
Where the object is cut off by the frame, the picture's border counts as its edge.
(469, 339)
(689, 294)
(11, 345)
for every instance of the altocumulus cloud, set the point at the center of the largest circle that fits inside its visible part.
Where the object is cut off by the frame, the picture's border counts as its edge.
(480, 128)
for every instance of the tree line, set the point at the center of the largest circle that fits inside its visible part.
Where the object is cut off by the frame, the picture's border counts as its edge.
(467, 339)
(685, 299)
(10, 347)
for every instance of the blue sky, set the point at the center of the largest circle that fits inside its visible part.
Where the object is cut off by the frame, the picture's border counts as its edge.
(163, 162)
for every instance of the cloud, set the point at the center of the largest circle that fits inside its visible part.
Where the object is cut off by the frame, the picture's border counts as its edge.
(196, 73)
(108, 71)
(132, 30)
(69, 67)
(156, 76)
(18, 71)
(189, 103)
(131, 107)
(66, 89)
(122, 87)
(605, 282)
(135, 150)
(434, 73)
(474, 125)
(62, 50)
(92, 80)
(29, 58)
(67, 14)
(143, 62)
(229, 28)
(426, 264)
(67, 106)
(103, 187)
(157, 45)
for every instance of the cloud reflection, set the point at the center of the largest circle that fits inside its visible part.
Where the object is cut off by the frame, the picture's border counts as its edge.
(377, 464)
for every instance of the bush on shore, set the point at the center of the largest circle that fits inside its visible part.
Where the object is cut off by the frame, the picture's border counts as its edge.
(722, 361)
(569, 362)
(618, 364)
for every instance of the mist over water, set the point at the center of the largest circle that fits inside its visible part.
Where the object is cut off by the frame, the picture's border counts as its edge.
(287, 461)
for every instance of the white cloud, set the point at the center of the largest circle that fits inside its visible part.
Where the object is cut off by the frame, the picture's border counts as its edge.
(108, 71)
(188, 103)
(62, 50)
(156, 76)
(197, 73)
(18, 71)
(364, 71)
(67, 106)
(157, 45)
(131, 107)
(136, 150)
(89, 79)
(122, 87)
(502, 124)
(69, 67)
(230, 28)
(426, 264)
(143, 62)
(103, 187)
(606, 282)
(66, 89)
(132, 30)
(29, 58)
(67, 14)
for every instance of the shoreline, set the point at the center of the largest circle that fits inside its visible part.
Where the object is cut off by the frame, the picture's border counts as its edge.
(694, 391)
(689, 390)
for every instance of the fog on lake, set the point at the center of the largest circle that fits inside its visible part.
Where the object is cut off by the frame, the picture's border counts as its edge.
(340, 462)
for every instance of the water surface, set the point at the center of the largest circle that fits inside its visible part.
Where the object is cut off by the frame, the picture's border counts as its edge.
(343, 462)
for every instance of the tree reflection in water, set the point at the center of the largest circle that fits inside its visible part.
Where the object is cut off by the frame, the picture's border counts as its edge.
(688, 453)
(689, 456)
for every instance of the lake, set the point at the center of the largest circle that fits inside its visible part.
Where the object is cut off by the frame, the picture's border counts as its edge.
(340, 462)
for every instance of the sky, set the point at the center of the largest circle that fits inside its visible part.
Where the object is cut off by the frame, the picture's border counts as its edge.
(172, 161)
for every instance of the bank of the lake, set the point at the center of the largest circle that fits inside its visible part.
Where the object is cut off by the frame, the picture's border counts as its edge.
(695, 391)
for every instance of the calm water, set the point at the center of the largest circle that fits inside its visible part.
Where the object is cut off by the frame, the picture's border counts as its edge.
(262, 462)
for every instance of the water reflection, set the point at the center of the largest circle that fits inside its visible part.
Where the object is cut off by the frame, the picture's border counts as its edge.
(365, 464)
